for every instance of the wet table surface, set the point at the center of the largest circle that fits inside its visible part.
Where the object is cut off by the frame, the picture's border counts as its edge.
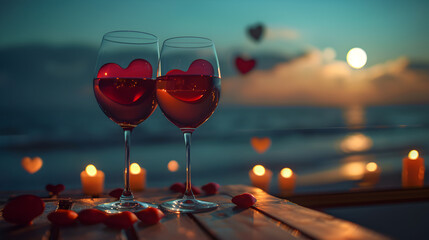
(269, 218)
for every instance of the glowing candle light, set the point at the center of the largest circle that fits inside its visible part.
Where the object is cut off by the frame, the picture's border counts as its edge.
(173, 166)
(371, 175)
(413, 170)
(260, 177)
(92, 181)
(137, 177)
(286, 180)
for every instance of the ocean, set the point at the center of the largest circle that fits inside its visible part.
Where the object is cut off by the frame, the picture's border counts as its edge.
(315, 142)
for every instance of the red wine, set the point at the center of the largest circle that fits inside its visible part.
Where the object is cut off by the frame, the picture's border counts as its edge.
(126, 101)
(187, 100)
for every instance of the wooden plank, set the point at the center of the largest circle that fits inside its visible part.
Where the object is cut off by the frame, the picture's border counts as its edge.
(271, 218)
(172, 226)
(315, 224)
(361, 197)
(230, 222)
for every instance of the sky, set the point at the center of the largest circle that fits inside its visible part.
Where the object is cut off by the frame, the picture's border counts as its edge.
(385, 29)
(299, 60)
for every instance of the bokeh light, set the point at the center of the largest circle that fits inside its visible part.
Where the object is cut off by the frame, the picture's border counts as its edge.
(91, 170)
(356, 58)
(413, 154)
(173, 166)
(286, 172)
(371, 166)
(135, 168)
(259, 170)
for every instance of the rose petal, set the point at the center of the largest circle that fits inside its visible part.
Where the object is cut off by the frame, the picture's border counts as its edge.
(150, 215)
(23, 209)
(244, 200)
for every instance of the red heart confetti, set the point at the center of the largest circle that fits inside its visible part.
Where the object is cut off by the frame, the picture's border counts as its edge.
(150, 215)
(244, 200)
(138, 68)
(197, 67)
(92, 216)
(23, 209)
(244, 66)
(116, 193)
(211, 188)
(123, 220)
(62, 217)
(55, 189)
(178, 187)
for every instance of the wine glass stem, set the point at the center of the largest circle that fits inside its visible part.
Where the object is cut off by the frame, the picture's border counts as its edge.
(188, 192)
(127, 195)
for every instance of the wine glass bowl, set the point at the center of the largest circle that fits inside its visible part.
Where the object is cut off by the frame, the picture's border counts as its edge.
(124, 87)
(188, 92)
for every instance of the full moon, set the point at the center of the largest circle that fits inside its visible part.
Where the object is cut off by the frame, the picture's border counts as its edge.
(356, 58)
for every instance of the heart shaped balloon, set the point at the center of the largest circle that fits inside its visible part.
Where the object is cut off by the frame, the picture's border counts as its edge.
(256, 31)
(31, 165)
(244, 65)
(260, 145)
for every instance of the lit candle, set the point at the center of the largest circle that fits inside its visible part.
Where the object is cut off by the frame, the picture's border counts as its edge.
(371, 175)
(287, 180)
(260, 177)
(92, 181)
(413, 170)
(137, 177)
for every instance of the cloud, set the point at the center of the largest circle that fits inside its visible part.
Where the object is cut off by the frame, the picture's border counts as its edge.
(281, 33)
(316, 78)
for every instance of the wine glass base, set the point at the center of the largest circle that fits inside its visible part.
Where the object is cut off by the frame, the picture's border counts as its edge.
(188, 206)
(117, 207)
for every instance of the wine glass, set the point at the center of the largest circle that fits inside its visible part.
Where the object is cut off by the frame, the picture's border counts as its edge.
(188, 91)
(124, 86)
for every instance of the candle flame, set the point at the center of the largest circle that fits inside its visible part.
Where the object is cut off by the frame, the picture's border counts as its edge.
(259, 170)
(286, 172)
(91, 170)
(371, 166)
(135, 168)
(173, 166)
(413, 155)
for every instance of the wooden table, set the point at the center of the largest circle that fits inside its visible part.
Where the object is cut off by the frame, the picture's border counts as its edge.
(270, 218)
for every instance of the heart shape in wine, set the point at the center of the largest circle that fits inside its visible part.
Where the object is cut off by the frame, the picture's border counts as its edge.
(260, 145)
(194, 83)
(244, 66)
(197, 67)
(138, 68)
(256, 31)
(31, 165)
(124, 86)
